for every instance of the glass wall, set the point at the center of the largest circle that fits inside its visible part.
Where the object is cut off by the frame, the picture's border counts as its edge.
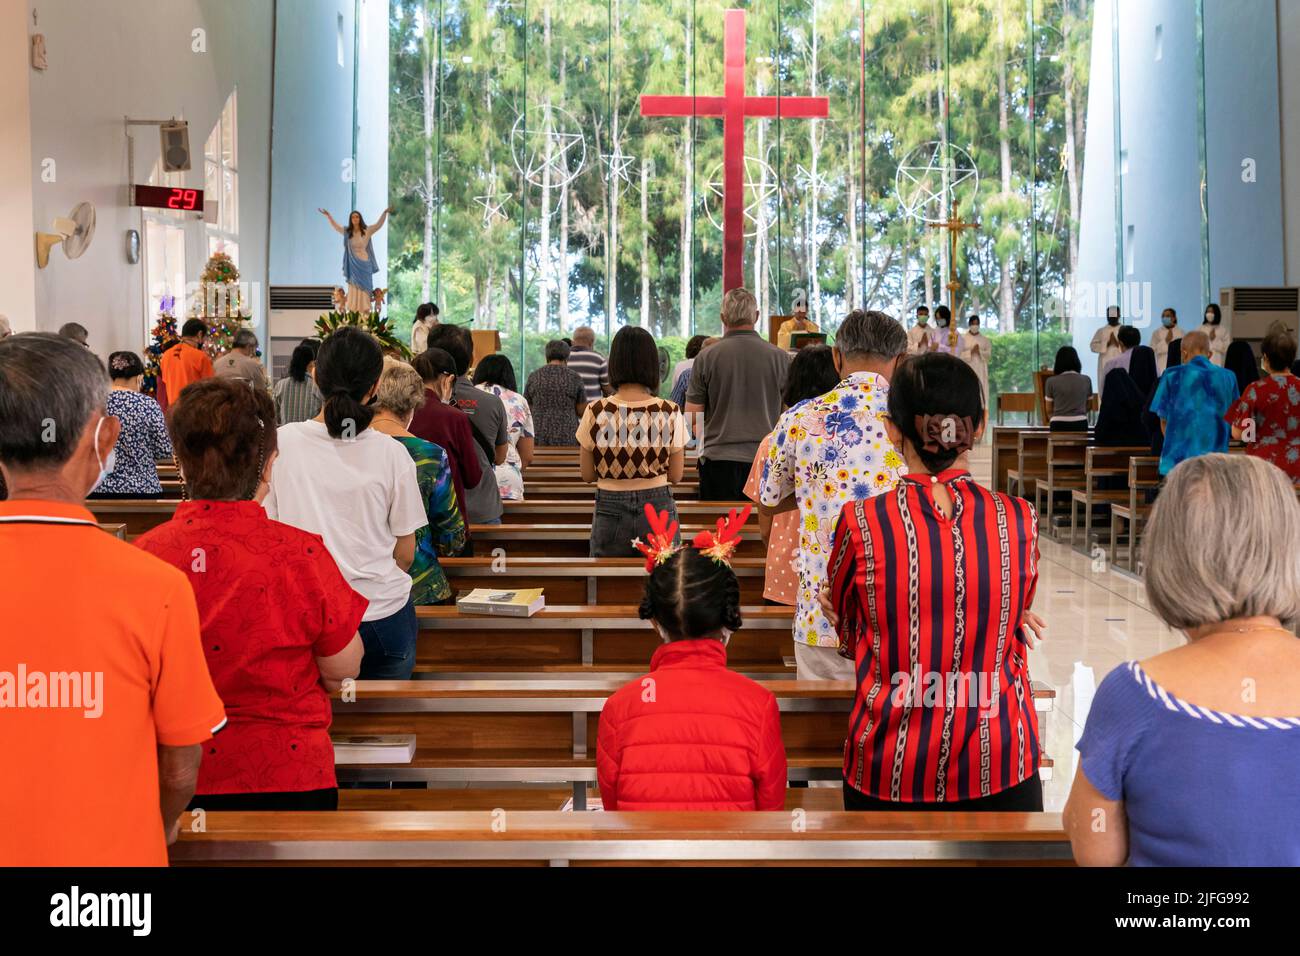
(533, 196)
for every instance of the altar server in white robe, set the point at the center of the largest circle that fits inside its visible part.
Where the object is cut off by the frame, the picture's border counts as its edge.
(975, 353)
(918, 336)
(1105, 343)
(1220, 338)
(1161, 337)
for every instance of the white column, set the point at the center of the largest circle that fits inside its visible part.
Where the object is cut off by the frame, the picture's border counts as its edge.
(17, 242)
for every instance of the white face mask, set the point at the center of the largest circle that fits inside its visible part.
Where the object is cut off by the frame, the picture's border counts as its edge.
(107, 465)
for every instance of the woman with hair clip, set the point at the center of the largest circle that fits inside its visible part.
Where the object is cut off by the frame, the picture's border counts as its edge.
(356, 488)
(691, 734)
(279, 622)
(297, 398)
(939, 573)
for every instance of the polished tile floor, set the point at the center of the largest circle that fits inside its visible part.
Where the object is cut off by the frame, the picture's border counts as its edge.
(1097, 617)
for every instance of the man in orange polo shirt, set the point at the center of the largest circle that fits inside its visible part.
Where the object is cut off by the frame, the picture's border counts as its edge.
(104, 693)
(185, 361)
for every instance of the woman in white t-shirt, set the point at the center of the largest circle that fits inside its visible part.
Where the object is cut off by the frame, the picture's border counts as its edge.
(357, 489)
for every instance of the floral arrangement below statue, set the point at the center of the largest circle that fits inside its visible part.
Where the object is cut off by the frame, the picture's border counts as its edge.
(371, 322)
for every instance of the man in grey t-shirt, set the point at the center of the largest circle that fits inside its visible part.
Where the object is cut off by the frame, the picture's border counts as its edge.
(487, 418)
(736, 387)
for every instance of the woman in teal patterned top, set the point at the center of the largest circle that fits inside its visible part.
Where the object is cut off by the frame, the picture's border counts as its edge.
(401, 392)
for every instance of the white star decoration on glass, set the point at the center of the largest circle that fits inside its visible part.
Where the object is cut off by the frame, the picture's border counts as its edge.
(920, 180)
(529, 138)
(816, 184)
(618, 164)
(492, 204)
(760, 187)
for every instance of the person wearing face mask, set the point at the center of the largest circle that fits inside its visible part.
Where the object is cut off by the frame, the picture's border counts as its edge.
(109, 790)
(918, 336)
(974, 351)
(1106, 344)
(1161, 337)
(691, 734)
(944, 337)
(1219, 337)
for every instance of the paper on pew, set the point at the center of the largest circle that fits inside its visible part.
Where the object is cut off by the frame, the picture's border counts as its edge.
(593, 804)
(373, 748)
(522, 602)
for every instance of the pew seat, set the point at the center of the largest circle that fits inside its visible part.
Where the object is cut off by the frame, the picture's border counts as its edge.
(543, 838)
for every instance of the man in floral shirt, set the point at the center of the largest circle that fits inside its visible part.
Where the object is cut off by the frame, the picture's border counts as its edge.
(825, 453)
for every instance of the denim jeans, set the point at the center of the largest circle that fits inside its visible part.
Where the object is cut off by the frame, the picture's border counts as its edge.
(620, 516)
(390, 645)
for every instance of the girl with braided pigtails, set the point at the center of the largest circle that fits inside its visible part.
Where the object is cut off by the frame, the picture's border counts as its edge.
(691, 734)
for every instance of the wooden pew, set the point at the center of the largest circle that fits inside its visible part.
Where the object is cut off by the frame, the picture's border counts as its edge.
(1100, 463)
(1005, 444)
(574, 540)
(580, 580)
(545, 732)
(137, 515)
(1064, 472)
(116, 530)
(583, 639)
(1143, 476)
(1031, 461)
(578, 511)
(570, 490)
(562, 839)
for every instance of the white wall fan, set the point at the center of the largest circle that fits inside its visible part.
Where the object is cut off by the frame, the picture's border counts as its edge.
(74, 231)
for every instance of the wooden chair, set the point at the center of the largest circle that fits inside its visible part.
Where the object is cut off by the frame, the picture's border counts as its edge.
(1064, 463)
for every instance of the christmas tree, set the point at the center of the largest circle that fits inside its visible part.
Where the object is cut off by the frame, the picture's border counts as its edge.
(220, 303)
(163, 336)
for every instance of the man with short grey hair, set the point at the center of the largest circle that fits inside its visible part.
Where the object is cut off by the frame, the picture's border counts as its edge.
(826, 453)
(591, 366)
(735, 388)
(240, 363)
(104, 782)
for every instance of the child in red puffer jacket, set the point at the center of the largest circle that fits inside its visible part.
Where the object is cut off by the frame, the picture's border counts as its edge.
(691, 735)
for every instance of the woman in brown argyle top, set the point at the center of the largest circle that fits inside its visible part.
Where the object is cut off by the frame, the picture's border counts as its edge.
(632, 446)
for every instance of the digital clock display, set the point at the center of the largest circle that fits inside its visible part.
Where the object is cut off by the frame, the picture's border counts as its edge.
(167, 197)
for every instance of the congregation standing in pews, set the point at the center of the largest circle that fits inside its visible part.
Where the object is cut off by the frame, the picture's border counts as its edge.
(1067, 392)
(322, 536)
(240, 364)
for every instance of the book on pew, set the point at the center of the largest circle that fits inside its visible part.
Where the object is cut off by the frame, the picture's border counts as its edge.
(373, 748)
(593, 805)
(519, 603)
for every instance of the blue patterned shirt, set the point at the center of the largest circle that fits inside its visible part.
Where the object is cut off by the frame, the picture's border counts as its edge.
(143, 441)
(1192, 399)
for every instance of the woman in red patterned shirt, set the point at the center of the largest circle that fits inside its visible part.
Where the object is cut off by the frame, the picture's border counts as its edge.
(1267, 416)
(930, 585)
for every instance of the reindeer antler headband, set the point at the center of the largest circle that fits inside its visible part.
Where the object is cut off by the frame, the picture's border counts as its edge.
(719, 544)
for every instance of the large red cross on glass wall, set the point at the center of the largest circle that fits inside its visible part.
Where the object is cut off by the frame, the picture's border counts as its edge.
(733, 106)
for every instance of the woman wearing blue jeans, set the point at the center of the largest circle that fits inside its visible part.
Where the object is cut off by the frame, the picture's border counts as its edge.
(356, 487)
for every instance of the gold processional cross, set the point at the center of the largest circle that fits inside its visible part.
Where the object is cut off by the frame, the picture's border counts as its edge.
(955, 226)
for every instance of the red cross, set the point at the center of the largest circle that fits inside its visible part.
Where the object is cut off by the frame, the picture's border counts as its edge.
(733, 106)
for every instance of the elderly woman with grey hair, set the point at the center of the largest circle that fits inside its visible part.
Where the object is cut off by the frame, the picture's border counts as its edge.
(1191, 758)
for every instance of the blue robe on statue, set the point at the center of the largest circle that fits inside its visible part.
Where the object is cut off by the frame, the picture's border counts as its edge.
(359, 272)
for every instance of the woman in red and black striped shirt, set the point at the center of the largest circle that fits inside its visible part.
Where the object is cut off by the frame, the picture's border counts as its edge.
(931, 584)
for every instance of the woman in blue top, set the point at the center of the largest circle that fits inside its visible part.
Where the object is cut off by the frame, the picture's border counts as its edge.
(133, 465)
(1192, 757)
